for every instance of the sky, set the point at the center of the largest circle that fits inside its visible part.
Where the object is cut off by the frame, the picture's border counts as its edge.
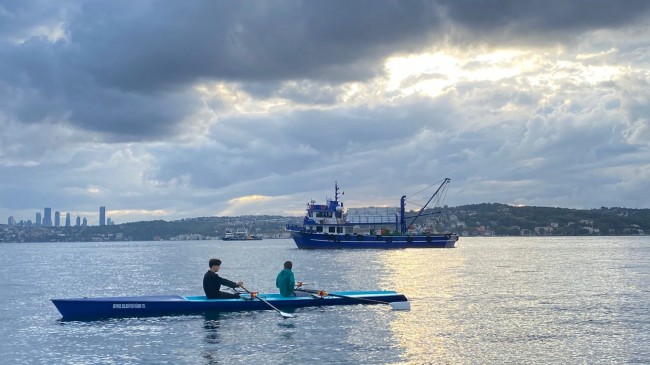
(181, 109)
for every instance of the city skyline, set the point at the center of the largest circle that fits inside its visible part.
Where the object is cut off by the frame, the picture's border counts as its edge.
(253, 109)
(57, 218)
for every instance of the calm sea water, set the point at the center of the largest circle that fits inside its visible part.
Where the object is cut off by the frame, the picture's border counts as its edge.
(562, 300)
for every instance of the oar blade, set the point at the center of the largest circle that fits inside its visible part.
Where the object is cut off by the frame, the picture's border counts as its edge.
(401, 306)
(283, 314)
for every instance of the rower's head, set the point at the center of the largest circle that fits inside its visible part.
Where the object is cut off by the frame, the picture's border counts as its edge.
(214, 264)
(288, 265)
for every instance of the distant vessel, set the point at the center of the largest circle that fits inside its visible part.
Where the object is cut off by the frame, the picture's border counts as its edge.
(239, 235)
(326, 226)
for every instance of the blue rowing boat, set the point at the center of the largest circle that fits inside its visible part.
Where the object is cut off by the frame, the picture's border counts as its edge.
(328, 226)
(160, 305)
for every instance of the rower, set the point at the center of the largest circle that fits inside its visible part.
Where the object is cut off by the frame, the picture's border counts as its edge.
(212, 283)
(285, 280)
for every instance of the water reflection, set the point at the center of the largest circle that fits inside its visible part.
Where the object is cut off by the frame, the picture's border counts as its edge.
(430, 279)
(211, 326)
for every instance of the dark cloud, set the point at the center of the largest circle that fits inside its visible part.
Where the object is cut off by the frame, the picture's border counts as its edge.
(553, 19)
(122, 66)
(166, 43)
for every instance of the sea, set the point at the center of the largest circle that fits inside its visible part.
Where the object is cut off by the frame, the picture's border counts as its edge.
(491, 300)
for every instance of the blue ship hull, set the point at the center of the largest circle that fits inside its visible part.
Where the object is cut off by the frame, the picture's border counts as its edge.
(146, 306)
(306, 240)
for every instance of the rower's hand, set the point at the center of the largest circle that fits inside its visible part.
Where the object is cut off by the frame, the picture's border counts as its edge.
(240, 284)
(299, 284)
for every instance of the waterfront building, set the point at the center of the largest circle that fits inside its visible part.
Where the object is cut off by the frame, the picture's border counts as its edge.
(57, 219)
(102, 216)
(47, 217)
(67, 219)
(78, 222)
(85, 222)
(11, 221)
(38, 218)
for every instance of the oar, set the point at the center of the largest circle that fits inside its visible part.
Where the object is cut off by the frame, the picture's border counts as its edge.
(404, 306)
(283, 314)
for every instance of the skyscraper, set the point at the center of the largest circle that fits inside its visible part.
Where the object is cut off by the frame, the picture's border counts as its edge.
(67, 219)
(57, 219)
(38, 218)
(78, 222)
(85, 222)
(47, 217)
(102, 216)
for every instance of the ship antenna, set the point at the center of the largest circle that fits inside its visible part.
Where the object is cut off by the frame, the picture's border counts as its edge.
(336, 191)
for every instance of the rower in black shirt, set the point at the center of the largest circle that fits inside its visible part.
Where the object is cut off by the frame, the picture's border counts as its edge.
(212, 283)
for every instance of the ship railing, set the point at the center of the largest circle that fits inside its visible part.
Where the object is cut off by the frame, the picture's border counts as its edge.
(371, 219)
(294, 227)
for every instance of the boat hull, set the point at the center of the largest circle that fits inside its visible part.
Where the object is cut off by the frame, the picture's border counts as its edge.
(146, 306)
(324, 241)
(242, 239)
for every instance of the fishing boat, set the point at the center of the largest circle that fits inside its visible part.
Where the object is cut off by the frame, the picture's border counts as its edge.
(160, 305)
(327, 226)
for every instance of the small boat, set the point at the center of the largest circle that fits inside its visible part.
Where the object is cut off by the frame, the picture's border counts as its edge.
(327, 226)
(161, 305)
(239, 235)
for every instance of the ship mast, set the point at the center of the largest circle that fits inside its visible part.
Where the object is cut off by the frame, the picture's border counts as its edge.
(402, 203)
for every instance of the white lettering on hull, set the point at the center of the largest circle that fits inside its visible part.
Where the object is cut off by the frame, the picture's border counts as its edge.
(128, 306)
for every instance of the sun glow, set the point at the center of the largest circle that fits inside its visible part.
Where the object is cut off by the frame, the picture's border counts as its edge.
(430, 73)
(433, 74)
(240, 205)
(228, 99)
(248, 199)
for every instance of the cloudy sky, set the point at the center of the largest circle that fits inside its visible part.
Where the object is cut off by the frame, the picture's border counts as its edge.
(180, 109)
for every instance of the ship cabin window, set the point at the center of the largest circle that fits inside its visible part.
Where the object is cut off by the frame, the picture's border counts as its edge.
(339, 229)
(332, 229)
(319, 229)
(324, 214)
(310, 214)
(349, 230)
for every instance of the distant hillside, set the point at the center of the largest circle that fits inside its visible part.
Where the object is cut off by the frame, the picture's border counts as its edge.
(503, 220)
(209, 227)
(487, 219)
(184, 229)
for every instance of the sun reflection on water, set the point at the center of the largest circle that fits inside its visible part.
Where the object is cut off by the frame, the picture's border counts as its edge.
(430, 279)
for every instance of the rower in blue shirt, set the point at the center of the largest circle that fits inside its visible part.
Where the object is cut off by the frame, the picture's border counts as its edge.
(285, 280)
